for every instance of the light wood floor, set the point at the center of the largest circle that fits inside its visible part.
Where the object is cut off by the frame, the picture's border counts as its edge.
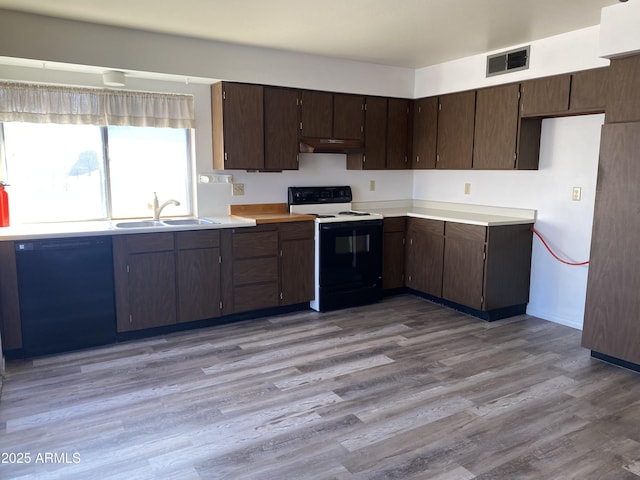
(404, 389)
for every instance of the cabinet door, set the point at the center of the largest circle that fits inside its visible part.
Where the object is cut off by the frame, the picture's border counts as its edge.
(198, 280)
(589, 91)
(612, 304)
(424, 255)
(623, 102)
(456, 114)
(348, 116)
(10, 325)
(316, 114)
(397, 131)
(464, 260)
(496, 127)
(296, 271)
(425, 129)
(238, 126)
(145, 280)
(375, 137)
(280, 129)
(393, 253)
(545, 96)
(151, 290)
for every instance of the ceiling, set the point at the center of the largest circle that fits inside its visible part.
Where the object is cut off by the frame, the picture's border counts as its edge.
(403, 33)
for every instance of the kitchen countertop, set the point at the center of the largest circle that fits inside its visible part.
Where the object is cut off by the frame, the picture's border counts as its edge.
(108, 227)
(484, 215)
(256, 214)
(267, 213)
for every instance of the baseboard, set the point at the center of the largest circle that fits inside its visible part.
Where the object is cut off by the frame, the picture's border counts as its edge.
(568, 322)
(615, 361)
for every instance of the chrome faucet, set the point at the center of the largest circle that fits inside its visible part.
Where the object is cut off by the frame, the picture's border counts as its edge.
(157, 208)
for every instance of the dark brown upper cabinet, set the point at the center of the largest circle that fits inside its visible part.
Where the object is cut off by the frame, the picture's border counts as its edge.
(496, 127)
(280, 128)
(348, 116)
(238, 126)
(386, 135)
(397, 131)
(425, 132)
(375, 134)
(331, 115)
(589, 91)
(545, 97)
(456, 115)
(316, 114)
(623, 100)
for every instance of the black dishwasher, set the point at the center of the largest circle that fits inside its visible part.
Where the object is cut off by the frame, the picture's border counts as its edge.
(66, 294)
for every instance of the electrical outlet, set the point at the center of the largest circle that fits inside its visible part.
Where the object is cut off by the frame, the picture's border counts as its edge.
(576, 194)
(372, 185)
(467, 189)
(238, 189)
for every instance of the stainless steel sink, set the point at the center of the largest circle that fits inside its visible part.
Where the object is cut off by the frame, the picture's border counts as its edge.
(140, 224)
(164, 223)
(189, 221)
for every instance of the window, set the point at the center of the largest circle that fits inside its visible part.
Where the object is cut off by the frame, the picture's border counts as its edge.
(61, 172)
(74, 154)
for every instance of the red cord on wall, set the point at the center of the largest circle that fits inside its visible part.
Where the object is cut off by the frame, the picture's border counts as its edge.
(573, 264)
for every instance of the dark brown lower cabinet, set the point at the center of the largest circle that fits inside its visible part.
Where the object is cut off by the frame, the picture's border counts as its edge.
(10, 325)
(296, 262)
(198, 274)
(487, 268)
(393, 254)
(424, 255)
(267, 266)
(483, 268)
(464, 261)
(145, 280)
(611, 325)
(250, 268)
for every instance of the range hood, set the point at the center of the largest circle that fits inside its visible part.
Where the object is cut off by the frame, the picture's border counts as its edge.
(330, 145)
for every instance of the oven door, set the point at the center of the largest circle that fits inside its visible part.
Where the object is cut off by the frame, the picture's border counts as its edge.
(350, 263)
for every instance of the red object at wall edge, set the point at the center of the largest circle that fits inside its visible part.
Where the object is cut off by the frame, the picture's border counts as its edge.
(4, 205)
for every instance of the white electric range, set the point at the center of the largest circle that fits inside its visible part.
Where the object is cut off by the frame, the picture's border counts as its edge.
(348, 247)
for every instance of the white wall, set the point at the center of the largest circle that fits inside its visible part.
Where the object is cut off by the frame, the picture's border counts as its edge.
(569, 52)
(49, 39)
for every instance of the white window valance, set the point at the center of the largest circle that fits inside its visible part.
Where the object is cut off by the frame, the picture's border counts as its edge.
(22, 102)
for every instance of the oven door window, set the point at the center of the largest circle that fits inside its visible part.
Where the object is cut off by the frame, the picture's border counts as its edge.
(348, 245)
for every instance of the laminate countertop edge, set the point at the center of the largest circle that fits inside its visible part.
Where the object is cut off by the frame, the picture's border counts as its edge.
(471, 218)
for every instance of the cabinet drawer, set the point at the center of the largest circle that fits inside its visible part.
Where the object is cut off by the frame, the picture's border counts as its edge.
(255, 270)
(395, 224)
(425, 225)
(255, 244)
(197, 239)
(254, 297)
(295, 230)
(146, 242)
(476, 233)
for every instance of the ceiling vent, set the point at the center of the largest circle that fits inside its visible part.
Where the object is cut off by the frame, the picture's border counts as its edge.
(510, 61)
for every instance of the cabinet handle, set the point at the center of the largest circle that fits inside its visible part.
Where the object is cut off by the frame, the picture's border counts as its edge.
(417, 158)
(281, 296)
(300, 125)
(130, 319)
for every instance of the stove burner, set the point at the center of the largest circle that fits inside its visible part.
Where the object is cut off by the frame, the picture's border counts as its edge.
(355, 214)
